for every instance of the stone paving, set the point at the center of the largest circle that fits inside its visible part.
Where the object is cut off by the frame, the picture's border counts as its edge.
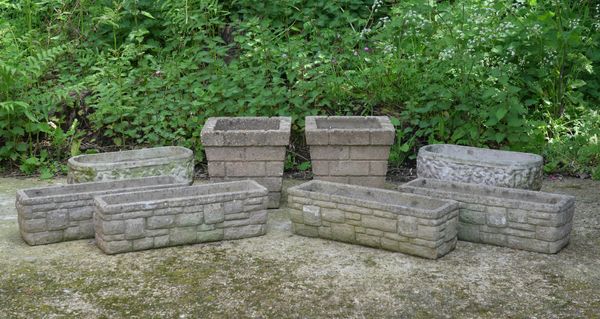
(285, 275)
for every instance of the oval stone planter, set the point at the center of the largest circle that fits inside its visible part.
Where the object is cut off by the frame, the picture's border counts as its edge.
(480, 166)
(408, 223)
(173, 161)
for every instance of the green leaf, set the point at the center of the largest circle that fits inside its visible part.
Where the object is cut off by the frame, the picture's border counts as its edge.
(395, 121)
(147, 14)
(46, 173)
(500, 113)
(576, 83)
(304, 166)
(499, 137)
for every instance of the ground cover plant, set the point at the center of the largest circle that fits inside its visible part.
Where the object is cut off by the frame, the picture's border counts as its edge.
(82, 76)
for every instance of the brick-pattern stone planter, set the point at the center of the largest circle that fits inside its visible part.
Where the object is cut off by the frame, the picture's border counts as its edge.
(239, 148)
(168, 160)
(350, 149)
(480, 166)
(407, 223)
(61, 213)
(515, 218)
(177, 216)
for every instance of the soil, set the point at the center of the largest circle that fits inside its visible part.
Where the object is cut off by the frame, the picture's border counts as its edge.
(287, 276)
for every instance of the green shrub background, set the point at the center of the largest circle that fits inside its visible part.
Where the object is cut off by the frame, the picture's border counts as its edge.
(519, 75)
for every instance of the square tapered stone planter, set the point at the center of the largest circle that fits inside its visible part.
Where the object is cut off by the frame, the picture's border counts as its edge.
(480, 166)
(178, 216)
(509, 217)
(174, 161)
(350, 149)
(60, 213)
(239, 148)
(408, 223)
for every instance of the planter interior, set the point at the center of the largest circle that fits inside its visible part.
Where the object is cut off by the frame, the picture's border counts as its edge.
(353, 123)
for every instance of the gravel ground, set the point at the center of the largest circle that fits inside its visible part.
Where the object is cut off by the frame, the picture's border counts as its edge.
(281, 275)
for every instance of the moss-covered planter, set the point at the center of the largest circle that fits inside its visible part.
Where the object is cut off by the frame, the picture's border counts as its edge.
(480, 166)
(174, 161)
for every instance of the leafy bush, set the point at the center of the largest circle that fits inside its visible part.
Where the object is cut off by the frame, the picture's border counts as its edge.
(504, 74)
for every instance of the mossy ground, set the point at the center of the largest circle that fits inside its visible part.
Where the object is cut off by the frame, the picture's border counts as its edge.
(283, 275)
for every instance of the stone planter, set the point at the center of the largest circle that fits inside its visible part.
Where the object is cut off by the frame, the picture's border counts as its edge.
(407, 223)
(241, 148)
(508, 217)
(178, 216)
(480, 166)
(60, 213)
(168, 160)
(350, 149)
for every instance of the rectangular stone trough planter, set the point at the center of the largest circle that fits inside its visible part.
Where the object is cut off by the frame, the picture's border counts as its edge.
(239, 148)
(407, 223)
(480, 166)
(61, 213)
(515, 218)
(350, 149)
(178, 216)
(167, 160)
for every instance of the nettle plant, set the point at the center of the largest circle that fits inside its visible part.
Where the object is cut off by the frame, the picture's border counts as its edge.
(477, 73)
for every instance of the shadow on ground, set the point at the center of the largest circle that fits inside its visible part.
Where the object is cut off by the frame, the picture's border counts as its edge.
(283, 275)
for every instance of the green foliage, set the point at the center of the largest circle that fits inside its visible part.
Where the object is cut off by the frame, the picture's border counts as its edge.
(503, 74)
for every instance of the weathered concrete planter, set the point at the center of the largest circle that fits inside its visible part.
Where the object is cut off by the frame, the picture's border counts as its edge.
(408, 223)
(239, 148)
(350, 149)
(168, 160)
(480, 166)
(514, 218)
(178, 216)
(60, 213)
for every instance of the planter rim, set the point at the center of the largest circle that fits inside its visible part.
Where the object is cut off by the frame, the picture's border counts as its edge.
(384, 122)
(180, 153)
(446, 206)
(495, 194)
(497, 157)
(106, 207)
(285, 124)
(24, 197)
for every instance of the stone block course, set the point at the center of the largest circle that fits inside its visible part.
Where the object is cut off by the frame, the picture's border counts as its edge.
(242, 148)
(374, 217)
(229, 210)
(59, 213)
(515, 218)
(350, 149)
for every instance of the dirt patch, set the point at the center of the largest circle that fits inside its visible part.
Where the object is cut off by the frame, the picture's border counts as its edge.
(284, 275)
